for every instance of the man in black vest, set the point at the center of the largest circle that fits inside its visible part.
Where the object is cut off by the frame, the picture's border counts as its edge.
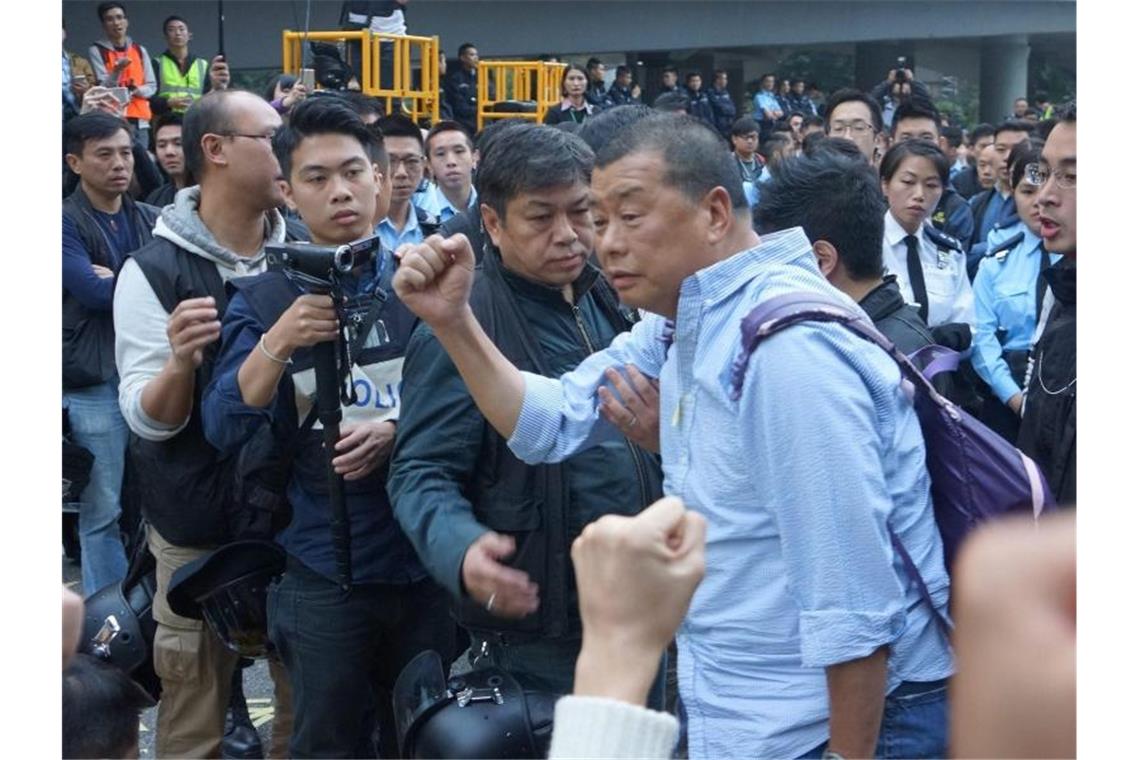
(836, 197)
(493, 530)
(168, 305)
(101, 225)
(344, 633)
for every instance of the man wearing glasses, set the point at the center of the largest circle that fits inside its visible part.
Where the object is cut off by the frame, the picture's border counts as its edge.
(167, 309)
(855, 116)
(1049, 408)
(405, 223)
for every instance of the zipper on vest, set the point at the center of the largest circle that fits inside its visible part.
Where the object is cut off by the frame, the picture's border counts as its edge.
(642, 482)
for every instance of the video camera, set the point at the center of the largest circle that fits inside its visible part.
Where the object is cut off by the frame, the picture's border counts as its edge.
(900, 72)
(319, 268)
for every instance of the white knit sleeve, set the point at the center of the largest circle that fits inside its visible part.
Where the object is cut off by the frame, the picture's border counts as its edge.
(597, 727)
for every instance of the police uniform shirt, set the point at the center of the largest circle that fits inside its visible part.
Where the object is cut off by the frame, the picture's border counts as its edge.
(943, 268)
(435, 203)
(1006, 304)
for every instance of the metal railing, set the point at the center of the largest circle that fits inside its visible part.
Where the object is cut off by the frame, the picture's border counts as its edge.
(539, 82)
(404, 91)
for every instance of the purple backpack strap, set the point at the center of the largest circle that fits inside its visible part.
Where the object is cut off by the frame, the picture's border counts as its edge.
(935, 359)
(776, 314)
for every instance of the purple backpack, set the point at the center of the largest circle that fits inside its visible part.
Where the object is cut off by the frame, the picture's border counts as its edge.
(975, 474)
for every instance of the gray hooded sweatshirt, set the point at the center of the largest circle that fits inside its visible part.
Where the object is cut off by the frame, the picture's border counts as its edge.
(141, 344)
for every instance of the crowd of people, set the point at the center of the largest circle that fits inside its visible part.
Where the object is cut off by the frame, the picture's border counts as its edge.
(542, 342)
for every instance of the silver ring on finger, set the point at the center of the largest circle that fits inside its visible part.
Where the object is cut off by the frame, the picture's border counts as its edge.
(491, 602)
(632, 422)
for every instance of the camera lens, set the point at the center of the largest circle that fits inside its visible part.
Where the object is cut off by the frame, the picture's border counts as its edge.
(343, 259)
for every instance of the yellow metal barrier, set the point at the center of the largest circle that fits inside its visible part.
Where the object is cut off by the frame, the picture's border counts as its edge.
(537, 81)
(417, 97)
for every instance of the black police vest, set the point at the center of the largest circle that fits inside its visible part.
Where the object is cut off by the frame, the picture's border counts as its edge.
(184, 482)
(528, 502)
(88, 334)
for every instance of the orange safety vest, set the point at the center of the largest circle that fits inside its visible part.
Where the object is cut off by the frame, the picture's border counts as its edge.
(134, 74)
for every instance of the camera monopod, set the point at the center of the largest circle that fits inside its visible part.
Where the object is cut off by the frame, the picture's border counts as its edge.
(318, 270)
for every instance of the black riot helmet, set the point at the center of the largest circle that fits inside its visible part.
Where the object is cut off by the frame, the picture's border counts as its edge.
(227, 588)
(487, 713)
(118, 625)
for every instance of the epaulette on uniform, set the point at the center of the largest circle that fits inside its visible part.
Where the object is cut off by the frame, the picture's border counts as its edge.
(941, 239)
(1002, 249)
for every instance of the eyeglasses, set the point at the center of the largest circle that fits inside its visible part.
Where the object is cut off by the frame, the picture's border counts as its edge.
(856, 127)
(268, 138)
(1036, 174)
(411, 163)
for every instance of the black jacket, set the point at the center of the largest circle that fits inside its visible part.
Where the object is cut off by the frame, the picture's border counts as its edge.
(461, 93)
(1048, 433)
(723, 109)
(700, 107)
(453, 477)
(895, 318)
(598, 96)
(622, 96)
(966, 182)
(900, 322)
(89, 334)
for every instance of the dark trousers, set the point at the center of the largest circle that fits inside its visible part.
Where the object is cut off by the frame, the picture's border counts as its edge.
(344, 651)
(914, 723)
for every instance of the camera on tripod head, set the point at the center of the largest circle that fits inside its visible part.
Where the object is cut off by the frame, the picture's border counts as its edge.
(320, 268)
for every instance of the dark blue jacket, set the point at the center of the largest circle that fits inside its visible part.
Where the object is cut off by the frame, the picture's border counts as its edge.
(461, 93)
(598, 96)
(724, 110)
(380, 551)
(622, 96)
(700, 107)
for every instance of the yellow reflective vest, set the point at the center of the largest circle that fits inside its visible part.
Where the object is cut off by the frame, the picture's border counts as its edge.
(173, 83)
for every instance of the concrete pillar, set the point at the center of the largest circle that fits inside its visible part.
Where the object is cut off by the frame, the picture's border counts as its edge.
(1004, 75)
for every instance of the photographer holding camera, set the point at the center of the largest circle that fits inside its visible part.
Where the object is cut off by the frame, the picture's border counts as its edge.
(343, 640)
(899, 85)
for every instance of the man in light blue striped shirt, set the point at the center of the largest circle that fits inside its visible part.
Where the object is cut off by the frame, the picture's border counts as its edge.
(806, 636)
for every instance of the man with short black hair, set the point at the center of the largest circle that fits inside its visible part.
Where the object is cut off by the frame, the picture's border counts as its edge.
(494, 530)
(745, 142)
(461, 88)
(102, 708)
(451, 156)
(1048, 432)
(168, 152)
(720, 99)
(168, 304)
(1020, 108)
(699, 105)
(766, 108)
(183, 78)
(950, 140)
(967, 182)
(839, 204)
(669, 81)
(995, 208)
(596, 93)
(798, 101)
(404, 223)
(342, 638)
(121, 62)
(623, 91)
(830, 623)
(102, 224)
(855, 116)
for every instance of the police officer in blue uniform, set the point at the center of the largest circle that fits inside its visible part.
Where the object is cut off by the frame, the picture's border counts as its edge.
(1008, 292)
(723, 108)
